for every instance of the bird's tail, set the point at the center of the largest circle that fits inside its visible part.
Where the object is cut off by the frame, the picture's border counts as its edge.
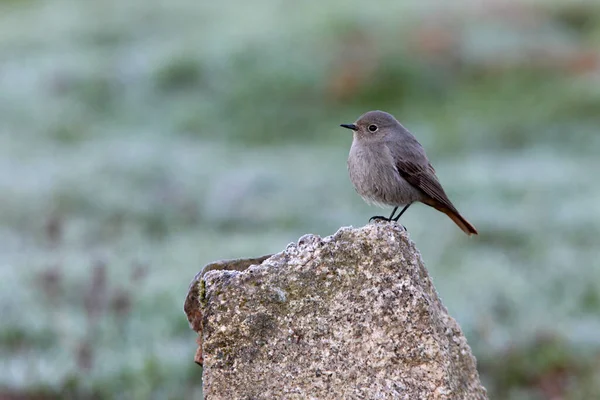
(455, 216)
(461, 222)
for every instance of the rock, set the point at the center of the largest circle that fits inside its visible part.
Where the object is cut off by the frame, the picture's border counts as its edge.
(349, 316)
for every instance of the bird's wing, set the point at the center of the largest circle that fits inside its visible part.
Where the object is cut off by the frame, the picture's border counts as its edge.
(424, 179)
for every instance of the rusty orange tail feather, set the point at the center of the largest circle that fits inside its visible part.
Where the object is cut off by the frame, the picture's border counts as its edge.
(454, 216)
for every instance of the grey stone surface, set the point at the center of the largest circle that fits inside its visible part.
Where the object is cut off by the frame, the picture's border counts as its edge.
(349, 316)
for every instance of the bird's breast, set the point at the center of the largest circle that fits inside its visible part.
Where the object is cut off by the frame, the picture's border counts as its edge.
(374, 175)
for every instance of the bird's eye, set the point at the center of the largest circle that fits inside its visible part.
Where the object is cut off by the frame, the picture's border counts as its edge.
(372, 128)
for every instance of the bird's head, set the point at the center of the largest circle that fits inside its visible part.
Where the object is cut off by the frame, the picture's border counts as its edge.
(374, 125)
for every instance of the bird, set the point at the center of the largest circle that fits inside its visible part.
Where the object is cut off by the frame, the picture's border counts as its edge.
(389, 167)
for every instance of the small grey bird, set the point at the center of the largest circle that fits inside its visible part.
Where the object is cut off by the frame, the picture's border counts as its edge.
(389, 167)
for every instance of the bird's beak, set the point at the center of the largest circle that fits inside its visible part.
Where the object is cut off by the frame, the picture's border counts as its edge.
(350, 126)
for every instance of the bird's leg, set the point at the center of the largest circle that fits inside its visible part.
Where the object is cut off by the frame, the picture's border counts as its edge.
(401, 212)
(384, 218)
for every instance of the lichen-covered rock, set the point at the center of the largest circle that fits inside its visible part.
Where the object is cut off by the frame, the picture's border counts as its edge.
(349, 316)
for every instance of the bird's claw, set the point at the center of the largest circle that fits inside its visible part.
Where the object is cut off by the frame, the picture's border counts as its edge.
(379, 217)
(382, 218)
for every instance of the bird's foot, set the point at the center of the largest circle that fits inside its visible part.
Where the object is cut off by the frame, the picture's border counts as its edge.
(386, 219)
(379, 218)
(396, 221)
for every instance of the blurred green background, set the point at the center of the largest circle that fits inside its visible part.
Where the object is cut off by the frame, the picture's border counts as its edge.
(142, 139)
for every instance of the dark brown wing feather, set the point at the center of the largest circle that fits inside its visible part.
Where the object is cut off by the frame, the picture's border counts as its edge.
(425, 180)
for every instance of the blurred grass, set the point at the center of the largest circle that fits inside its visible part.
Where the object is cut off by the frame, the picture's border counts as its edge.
(141, 140)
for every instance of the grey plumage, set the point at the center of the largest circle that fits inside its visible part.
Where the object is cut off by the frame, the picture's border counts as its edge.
(388, 166)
